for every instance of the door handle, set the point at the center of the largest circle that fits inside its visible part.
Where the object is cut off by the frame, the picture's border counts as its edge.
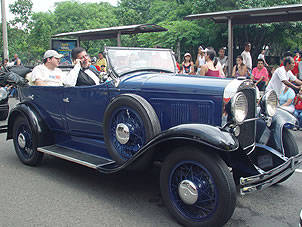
(65, 99)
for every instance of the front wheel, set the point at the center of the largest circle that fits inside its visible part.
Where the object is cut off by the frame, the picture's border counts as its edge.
(25, 142)
(197, 188)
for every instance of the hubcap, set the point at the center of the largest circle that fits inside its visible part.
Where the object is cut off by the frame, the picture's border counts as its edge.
(188, 192)
(122, 133)
(21, 140)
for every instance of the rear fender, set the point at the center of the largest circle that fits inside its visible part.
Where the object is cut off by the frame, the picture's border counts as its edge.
(39, 127)
(198, 134)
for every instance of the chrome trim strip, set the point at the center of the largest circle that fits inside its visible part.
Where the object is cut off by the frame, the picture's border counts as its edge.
(262, 181)
(67, 158)
(251, 119)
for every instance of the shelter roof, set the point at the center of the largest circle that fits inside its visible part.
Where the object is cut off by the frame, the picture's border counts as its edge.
(112, 32)
(255, 15)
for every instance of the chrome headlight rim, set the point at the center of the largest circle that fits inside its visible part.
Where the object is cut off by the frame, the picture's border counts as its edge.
(238, 99)
(267, 103)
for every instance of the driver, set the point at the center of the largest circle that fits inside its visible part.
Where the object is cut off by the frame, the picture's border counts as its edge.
(86, 76)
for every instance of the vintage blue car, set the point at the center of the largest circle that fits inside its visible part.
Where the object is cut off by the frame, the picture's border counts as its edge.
(209, 135)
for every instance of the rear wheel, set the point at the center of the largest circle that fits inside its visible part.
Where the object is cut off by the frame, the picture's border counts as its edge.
(25, 142)
(290, 148)
(197, 188)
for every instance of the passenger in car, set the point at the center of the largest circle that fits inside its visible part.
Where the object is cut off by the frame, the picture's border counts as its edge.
(48, 73)
(85, 75)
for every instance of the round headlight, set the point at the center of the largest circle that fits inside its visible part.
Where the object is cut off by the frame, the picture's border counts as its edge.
(239, 107)
(269, 102)
(3, 93)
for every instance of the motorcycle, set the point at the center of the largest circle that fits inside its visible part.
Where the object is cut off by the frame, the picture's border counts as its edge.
(9, 78)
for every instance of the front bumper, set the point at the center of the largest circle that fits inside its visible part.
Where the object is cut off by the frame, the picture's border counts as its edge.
(266, 179)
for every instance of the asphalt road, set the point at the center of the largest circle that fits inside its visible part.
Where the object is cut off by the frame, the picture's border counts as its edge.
(60, 193)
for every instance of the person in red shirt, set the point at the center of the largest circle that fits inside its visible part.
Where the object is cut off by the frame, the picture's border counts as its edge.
(295, 70)
(298, 107)
(297, 58)
(260, 75)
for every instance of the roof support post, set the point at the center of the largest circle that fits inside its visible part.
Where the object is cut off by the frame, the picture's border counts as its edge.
(230, 47)
(119, 39)
(78, 41)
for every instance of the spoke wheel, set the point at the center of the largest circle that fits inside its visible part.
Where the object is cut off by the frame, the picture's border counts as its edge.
(197, 188)
(25, 142)
(129, 123)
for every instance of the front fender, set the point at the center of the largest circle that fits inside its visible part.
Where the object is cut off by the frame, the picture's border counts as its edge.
(39, 127)
(203, 134)
(281, 119)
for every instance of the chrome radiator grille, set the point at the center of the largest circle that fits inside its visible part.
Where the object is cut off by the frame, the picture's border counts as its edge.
(248, 129)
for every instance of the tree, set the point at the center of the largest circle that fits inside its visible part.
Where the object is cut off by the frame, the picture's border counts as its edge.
(22, 10)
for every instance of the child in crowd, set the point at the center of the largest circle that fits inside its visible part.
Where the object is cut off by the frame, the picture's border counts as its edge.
(298, 107)
(188, 65)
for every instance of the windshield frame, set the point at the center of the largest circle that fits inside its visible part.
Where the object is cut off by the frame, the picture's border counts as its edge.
(120, 74)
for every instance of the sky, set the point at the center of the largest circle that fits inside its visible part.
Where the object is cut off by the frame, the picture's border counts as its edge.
(45, 5)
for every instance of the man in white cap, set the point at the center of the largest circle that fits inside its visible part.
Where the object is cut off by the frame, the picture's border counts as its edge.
(48, 73)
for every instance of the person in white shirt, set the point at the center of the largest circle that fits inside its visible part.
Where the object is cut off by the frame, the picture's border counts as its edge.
(200, 60)
(284, 76)
(262, 56)
(48, 73)
(246, 55)
(85, 75)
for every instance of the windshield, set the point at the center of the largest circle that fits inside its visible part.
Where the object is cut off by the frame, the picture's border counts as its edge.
(128, 60)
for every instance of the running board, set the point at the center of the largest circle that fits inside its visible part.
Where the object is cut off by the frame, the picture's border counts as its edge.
(81, 158)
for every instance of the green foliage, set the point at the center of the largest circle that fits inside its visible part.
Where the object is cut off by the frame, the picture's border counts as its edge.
(29, 33)
(22, 9)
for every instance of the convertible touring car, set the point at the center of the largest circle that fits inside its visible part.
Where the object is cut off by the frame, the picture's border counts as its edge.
(210, 135)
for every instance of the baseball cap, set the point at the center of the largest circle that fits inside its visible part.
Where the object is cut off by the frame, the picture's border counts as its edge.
(52, 53)
(187, 54)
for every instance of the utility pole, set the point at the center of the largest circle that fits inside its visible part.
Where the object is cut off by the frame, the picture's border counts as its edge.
(4, 30)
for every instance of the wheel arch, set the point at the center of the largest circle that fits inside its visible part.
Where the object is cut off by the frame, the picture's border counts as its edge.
(40, 129)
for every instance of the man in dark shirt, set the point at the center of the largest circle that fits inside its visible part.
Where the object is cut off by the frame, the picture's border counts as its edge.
(86, 76)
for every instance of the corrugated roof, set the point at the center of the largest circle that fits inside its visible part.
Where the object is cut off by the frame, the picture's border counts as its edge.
(255, 15)
(109, 33)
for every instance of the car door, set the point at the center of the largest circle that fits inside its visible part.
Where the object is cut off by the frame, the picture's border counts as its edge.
(47, 100)
(84, 110)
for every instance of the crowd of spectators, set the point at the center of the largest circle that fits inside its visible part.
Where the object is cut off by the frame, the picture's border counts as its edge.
(284, 79)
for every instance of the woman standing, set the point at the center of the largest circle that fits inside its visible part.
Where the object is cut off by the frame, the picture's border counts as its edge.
(240, 69)
(188, 65)
(200, 60)
(211, 68)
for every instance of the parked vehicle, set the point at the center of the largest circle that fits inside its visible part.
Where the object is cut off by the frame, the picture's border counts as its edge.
(9, 77)
(4, 108)
(207, 133)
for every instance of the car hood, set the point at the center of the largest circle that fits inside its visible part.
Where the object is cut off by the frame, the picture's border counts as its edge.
(171, 83)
